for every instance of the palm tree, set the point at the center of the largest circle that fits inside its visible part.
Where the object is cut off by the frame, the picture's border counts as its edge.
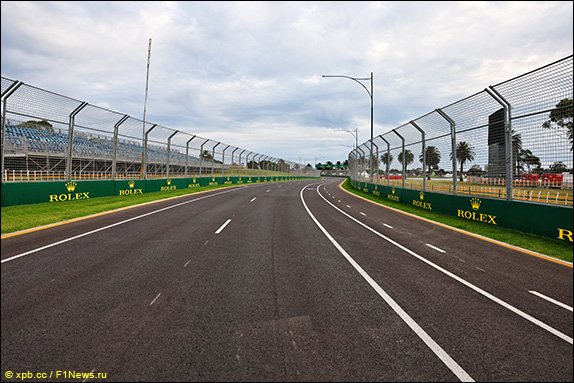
(432, 158)
(464, 153)
(387, 159)
(409, 158)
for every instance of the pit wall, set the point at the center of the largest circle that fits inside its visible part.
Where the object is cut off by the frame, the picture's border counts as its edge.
(23, 193)
(545, 220)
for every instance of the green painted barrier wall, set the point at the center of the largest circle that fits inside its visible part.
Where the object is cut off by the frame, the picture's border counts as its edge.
(23, 193)
(545, 220)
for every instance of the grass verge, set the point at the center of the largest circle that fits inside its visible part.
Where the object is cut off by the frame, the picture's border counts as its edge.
(21, 217)
(547, 246)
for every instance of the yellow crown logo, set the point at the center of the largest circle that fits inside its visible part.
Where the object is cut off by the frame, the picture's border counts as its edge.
(71, 186)
(194, 180)
(168, 182)
(132, 183)
(393, 190)
(475, 203)
(422, 195)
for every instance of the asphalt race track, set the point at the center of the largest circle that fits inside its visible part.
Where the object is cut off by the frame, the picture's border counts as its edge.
(285, 281)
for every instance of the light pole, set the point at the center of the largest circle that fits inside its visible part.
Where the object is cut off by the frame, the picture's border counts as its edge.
(358, 80)
(356, 135)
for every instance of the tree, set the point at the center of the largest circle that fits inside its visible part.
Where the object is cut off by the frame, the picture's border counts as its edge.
(432, 158)
(475, 170)
(526, 157)
(387, 159)
(409, 158)
(464, 153)
(558, 167)
(41, 125)
(560, 119)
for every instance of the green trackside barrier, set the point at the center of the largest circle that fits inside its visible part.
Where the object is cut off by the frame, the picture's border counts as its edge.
(545, 220)
(22, 193)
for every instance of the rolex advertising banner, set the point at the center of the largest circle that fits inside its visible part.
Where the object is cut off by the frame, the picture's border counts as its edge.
(551, 221)
(21, 193)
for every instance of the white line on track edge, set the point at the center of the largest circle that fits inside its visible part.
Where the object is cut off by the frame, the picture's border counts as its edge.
(456, 277)
(443, 356)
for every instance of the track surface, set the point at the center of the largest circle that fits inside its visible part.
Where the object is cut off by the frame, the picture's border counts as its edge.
(291, 281)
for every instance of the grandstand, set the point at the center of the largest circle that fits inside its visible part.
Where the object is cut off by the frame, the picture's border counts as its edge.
(38, 149)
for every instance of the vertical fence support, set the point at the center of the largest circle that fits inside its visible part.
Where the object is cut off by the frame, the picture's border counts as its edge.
(223, 159)
(115, 149)
(201, 156)
(424, 153)
(213, 159)
(453, 144)
(70, 148)
(7, 93)
(233, 160)
(169, 153)
(187, 153)
(404, 162)
(507, 137)
(145, 159)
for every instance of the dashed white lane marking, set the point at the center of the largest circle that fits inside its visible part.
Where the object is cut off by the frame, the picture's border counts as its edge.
(253, 199)
(223, 226)
(564, 306)
(389, 226)
(155, 299)
(435, 248)
(515, 310)
(115, 224)
(348, 206)
(187, 263)
(362, 213)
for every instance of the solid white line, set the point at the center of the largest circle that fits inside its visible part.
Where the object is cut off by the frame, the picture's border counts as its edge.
(551, 300)
(389, 226)
(155, 299)
(223, 226)
(253, 199)
(464, 282)
(112, 225)
(442, 355)
(435, 248)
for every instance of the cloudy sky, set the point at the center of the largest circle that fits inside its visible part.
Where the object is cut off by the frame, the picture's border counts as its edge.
(249, 73)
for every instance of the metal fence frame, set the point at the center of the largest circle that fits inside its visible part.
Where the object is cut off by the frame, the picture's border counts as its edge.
(84, 141)
(518, 110)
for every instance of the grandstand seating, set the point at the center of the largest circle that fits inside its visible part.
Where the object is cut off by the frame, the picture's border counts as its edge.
(34, 140)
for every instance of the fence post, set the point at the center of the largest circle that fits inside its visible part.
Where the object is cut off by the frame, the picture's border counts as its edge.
(223, 159)
(507, 138)
(168, 153)
(213, 159)
(7, 93)
(403, 156)
(71, 140)
(144, 164)
(453, 143)
(187, 153)
(424, 153)
(115, 148)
